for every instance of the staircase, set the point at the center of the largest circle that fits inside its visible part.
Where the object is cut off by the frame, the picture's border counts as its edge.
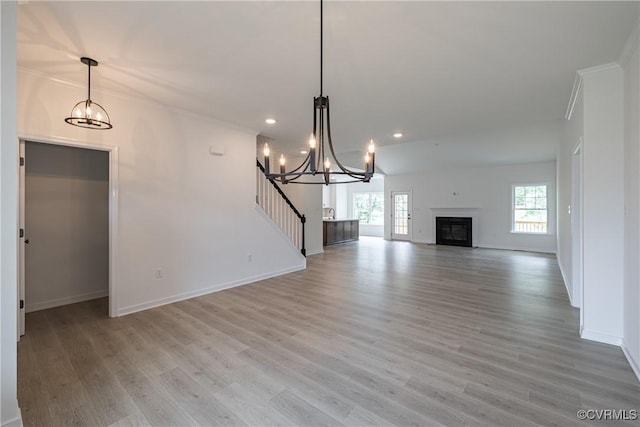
(280, 209)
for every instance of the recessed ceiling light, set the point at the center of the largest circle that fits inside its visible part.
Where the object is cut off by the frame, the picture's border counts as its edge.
(397, 135)
(270, 121)
(303, 152)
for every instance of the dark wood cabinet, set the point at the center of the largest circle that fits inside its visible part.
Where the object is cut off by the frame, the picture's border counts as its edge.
(339, 231)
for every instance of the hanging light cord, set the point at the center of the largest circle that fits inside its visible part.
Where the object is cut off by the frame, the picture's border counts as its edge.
(321, 39)
(89, 85)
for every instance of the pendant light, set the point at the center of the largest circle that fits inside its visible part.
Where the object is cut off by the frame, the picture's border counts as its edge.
(321, 151)
(89, 114)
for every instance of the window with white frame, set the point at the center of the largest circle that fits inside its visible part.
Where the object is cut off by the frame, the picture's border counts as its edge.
(529, 209)
(369, 207)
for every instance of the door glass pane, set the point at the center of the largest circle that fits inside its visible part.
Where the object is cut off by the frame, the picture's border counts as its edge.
(400, 214)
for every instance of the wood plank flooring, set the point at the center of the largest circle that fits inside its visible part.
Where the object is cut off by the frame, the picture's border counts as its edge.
(373, 333)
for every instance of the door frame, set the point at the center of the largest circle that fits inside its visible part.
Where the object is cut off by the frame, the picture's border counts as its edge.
(577, 230)
(113, 215)
(409, 193)
(21, 244)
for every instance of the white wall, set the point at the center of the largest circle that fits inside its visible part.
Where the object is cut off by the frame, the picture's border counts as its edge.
(340, 195)
(308, 200)
(326, 197)
(572, 132)
(181, 210)
(603, 203)
(631, 288)
(9, 411)
(487, 189)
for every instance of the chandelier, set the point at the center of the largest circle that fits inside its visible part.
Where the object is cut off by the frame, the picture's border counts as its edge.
(89, 114)
(319, 155)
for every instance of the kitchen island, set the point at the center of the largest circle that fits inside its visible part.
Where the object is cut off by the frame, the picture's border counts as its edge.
(336, 231)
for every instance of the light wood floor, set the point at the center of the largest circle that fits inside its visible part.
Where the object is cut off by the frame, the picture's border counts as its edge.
(372, 333)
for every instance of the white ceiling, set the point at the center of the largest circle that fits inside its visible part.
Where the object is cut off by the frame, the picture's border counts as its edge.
(432, 70)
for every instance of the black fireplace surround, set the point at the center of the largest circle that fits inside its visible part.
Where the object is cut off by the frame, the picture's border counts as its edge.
(453, 231)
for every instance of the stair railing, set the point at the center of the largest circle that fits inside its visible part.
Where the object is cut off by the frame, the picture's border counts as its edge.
(275, 203)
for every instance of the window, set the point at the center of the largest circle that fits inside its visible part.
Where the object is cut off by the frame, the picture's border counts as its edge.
(529, 208)
(369, 208)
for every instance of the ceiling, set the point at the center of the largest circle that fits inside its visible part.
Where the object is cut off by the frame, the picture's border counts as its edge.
(439, 72)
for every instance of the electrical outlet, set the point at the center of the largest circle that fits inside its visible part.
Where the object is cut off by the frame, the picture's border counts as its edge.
(250, 257)
(159, 273)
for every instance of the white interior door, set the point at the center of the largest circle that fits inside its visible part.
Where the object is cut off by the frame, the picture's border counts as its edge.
(401, 215)
(22, 241)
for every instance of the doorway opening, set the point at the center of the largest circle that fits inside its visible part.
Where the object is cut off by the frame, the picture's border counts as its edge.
(67, 225)
(360, 201)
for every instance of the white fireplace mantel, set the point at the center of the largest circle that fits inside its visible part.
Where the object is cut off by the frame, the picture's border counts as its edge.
(473, 213)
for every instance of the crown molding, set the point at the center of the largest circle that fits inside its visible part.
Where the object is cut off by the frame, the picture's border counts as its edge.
(630, 46)
(577, 87)
(578, 82)
(598, 68)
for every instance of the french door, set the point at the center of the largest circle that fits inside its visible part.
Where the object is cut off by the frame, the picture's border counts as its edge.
(401, 215)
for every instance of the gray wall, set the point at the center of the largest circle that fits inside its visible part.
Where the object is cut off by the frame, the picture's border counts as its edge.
(67, 224)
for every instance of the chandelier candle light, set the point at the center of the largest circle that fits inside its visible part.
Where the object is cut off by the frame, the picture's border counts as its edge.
(318, 157)
(89, 114)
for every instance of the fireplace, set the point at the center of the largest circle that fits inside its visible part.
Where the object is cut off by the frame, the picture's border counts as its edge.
(453, 231)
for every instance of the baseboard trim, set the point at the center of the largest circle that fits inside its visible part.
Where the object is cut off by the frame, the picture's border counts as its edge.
(600, 337)
(501, 248)
(14, 422)
(64, 301)
(566, 283)
(316, 252)
(208, 290)
(518, 248)
(635, 365)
